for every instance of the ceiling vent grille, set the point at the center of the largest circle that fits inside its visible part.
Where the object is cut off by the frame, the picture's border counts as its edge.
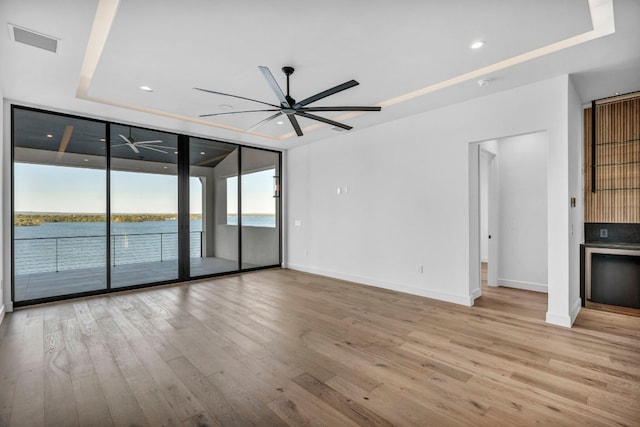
(32, 38)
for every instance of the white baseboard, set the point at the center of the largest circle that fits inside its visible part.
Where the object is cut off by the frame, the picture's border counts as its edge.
(476, 293)
(577, 306)
(527, 286)
(484, 260)
(441, 296)
(559, 319)
(2, 313)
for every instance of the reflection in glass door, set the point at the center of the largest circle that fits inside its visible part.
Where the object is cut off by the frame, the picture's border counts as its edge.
(213, 189)
(144, 206)
(59, 200)
(260, 207)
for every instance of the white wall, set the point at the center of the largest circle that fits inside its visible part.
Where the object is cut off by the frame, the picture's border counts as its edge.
(2, 211)
(576, 189)
(523, 212)
(407, 203)
(485, 162)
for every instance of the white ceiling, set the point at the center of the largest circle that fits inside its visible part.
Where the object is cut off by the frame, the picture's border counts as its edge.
(408, 55)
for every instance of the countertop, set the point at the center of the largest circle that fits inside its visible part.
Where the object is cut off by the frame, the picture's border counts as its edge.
(613, 245)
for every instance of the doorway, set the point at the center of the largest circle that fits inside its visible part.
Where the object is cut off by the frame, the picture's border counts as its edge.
(508, 213)
(488, 214)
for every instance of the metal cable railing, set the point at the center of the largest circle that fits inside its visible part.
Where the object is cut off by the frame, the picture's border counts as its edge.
(48, 254)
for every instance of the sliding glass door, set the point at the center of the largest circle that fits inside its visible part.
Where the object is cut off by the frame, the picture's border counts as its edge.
(100, 206)
(213, 188)
(144, 206)
(59, 205)
(260, 208)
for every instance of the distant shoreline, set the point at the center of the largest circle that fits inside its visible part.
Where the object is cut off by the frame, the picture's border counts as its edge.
(22, 219)
(33, 219)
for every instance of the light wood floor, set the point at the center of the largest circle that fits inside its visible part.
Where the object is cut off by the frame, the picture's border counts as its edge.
(280, 347)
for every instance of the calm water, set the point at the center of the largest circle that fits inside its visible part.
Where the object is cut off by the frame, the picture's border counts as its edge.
(58, 246)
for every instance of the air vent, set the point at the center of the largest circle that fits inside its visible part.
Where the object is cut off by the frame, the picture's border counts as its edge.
(32, 38)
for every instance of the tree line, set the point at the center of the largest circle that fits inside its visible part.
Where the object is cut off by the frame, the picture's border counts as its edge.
(32, 219)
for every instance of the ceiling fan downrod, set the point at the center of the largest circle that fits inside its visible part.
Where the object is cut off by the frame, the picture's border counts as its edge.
(287, 70)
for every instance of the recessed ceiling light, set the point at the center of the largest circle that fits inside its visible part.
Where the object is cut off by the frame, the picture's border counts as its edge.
(617, 93)
(175, 152)
(280, 122)
(49, 135)
(165, 167)
(102, 140)
(202, 153)
(484, 82)
(477, 44)
(86, 160)
(225, 107)
(146, 88)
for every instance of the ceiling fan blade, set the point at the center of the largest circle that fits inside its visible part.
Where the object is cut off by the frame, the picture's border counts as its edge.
(340, 109)
(159, 146)
(153, 149)
(295, 124)
(324, 120)
(328, 92)
(129, 143)
(237, 112)
(125, 138)
(155, 141)
(235, 96)
(261, 122)
(274, 86)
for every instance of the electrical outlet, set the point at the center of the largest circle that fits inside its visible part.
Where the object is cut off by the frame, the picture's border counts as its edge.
(604, 232)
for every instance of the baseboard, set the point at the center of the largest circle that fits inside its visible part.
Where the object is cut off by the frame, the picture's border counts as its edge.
(575, 310)
(1, 313)
(559, 319)
(476, 293)
(484, 260)
(527, 286)
(465, 300)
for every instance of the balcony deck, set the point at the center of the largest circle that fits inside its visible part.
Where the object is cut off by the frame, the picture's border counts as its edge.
(42, 285)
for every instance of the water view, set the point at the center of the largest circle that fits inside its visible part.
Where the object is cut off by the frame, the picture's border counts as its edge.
(47, 246)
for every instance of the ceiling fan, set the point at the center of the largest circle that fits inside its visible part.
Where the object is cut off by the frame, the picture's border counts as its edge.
(149, 145)
(289, 107)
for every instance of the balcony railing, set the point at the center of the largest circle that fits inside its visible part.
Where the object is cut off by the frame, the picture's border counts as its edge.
(47, 254)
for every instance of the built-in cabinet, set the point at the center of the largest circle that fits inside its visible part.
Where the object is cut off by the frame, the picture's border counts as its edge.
(610, 256)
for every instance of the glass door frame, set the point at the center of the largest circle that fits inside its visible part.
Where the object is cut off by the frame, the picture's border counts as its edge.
(183, 212)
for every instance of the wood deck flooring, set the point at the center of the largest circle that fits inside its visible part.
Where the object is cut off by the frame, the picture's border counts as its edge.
(67, 282)
(279, 348)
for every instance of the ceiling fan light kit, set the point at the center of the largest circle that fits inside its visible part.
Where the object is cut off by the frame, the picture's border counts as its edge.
(289, 107)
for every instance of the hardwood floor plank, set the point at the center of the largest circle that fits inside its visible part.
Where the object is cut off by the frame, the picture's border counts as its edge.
(123, 406)
(91, 403)
(28, 402)
(206, 392)
(347, 407)
(297, 406)
(58, 408)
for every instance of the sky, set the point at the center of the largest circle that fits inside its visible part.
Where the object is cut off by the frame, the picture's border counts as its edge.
(46, 188)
